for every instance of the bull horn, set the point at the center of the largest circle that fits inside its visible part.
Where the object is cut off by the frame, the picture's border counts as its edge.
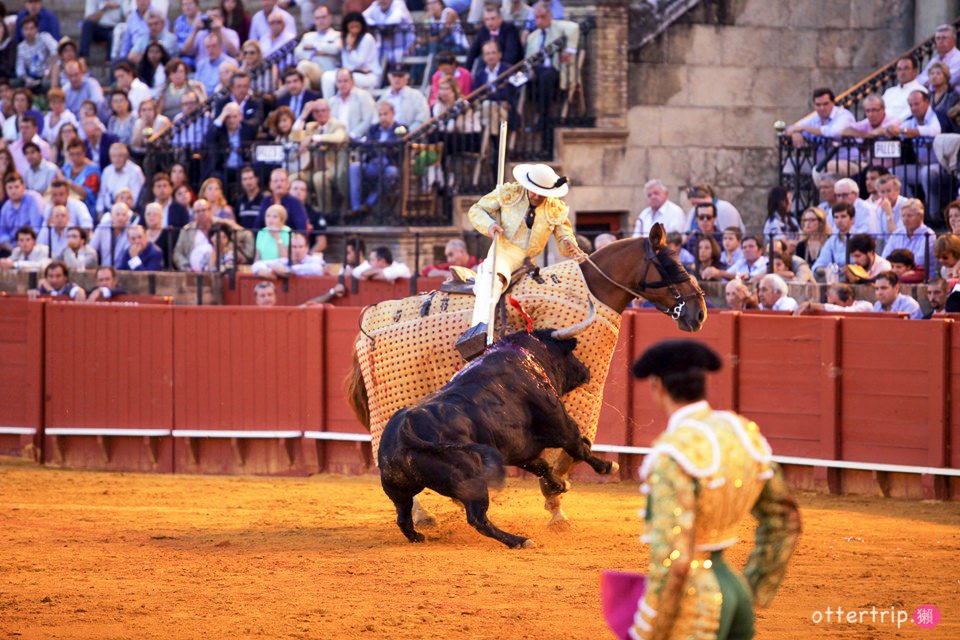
(569, 332)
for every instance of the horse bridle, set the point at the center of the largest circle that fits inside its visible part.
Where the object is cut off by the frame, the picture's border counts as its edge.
(652, 259)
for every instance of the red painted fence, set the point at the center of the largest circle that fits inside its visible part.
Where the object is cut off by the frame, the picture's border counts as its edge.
(246, 390)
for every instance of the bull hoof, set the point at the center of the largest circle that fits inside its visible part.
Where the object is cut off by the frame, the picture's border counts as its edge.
(559, 522)
(614, 468)
(417, 537)
(528, 544)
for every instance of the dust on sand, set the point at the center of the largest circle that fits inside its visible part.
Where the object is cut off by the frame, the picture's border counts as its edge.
(103, 555)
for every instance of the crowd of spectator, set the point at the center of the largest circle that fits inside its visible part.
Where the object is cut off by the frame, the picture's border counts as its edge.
(211, 81)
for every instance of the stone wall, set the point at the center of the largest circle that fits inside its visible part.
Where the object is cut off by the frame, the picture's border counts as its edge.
(704, 95)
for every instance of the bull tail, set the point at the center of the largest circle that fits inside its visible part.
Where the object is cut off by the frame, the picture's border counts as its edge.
(356, 392)
(474, 462)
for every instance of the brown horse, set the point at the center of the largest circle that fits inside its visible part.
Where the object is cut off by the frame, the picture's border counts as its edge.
(615, 275)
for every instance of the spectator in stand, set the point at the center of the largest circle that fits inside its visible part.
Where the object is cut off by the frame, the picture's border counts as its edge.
(274, 239)
(22, 208)
(706, 227)
(352, 106)
(164, 238)
(379, 172)
(947, 251)
(47, 21)
(297, 95)
(727, 214)
(708, 257)
(517, 12)
(134, 29)
(889, 299)
(212, 191)
(276, 36)
(903, 264)
(895, 98)
(753, 264)
(936, 298)
(942, 96)
(659, 209)
(156, 33)
(184, 195)
(441, 31)
(774, 295)
(77, 212)
(247, 207)
(922, 123)
(152, 69)
(409, 105)
(461, 132)
(107, 286)
(148, 123)
(548, 74)
(301, 262)
(457, 255)
(172, 213)
(82, 174)
(863, 254)
(265, 294)
(27, 255)
(951, 215)
(732, 237)
(53, 233)
(77, 255)
(848, 161)
(398, 36)
(447, 67)
(141, 254)
(496, 102)
(236, 17)
(827, 120)
(80, 88)
(228, 143)
(280, 194)
(814, 233)
(780, 222)
(603, 240)
(67, 52)
(7, 168)
(8, 55)
(28, 133)
(300, 190)
(211, 23)
(319, 50)
(58, 115)
(383, 267)
(56, 283)
(22, 101)
(912, 234)
(193, 126)
(867, 219)
(126, 79)
(110, 237)
(259, 24)
(945, 53)
(251, 107)
(828, 197)
(359, 55)
(183, 28)
(890, 203)
(871, 176)
(790, 267)
(36, 56)
(121, 173)
(122, 119)
(738, 296)
(354, 259)
(40, 173)
(177, 85)
(675, 241)
(504, 33)
(208, 64)
(195, 251)
(328, 163)
(841, 298)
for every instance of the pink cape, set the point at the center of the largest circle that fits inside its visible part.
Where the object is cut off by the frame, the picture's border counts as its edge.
(620, 593)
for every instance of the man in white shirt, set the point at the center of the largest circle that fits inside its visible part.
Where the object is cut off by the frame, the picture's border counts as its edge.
(319, 50)
(126, 79)
(841, 298)
(659, 209)
(945, 46)
(773, 294)
(383, 267)
(119, 173)
(752, 266)
(396, 40)
(895, 98)
(277, 34)
(40, 173)
(77, 212)
(727, 214)
(259, 26)
(409, 105)
(922, 123)
(827, 120)
(352, 106)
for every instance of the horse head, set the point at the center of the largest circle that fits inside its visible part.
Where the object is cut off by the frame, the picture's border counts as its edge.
(646, 268)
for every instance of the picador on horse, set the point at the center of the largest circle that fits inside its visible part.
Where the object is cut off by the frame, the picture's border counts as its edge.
(409, 348)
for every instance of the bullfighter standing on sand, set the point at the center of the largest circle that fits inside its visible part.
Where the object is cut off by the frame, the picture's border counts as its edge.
(520, 216)
(705, 473)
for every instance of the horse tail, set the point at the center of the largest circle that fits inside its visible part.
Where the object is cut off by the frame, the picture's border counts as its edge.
(471, 460)
(356, 392)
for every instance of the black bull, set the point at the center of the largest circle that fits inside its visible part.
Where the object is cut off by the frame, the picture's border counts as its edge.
(502, 408)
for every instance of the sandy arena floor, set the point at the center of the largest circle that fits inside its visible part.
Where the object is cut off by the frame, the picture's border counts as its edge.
(99, 555)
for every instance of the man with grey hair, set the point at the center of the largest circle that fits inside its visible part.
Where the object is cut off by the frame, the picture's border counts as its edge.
(866, 218)
(773, 294)
(457, 256)
(157, 32)
(659, 209)
(945, 51)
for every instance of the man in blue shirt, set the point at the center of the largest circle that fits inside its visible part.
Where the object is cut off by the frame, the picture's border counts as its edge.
(834, 250)
(912, 234)
(889, 298)
(208, 66)
(22, 209)
(48, 21)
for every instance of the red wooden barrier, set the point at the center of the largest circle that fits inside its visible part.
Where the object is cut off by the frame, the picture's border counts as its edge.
(108, 386)
(21, 377)
(247, 382)
(290, 293)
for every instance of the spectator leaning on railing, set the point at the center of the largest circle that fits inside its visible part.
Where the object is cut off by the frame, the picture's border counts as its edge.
(56, 283)
(77, 255)
(827, 120)
(889, 299)
(773, 294)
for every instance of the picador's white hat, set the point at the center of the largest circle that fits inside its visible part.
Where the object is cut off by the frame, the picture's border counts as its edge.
(541, 179)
